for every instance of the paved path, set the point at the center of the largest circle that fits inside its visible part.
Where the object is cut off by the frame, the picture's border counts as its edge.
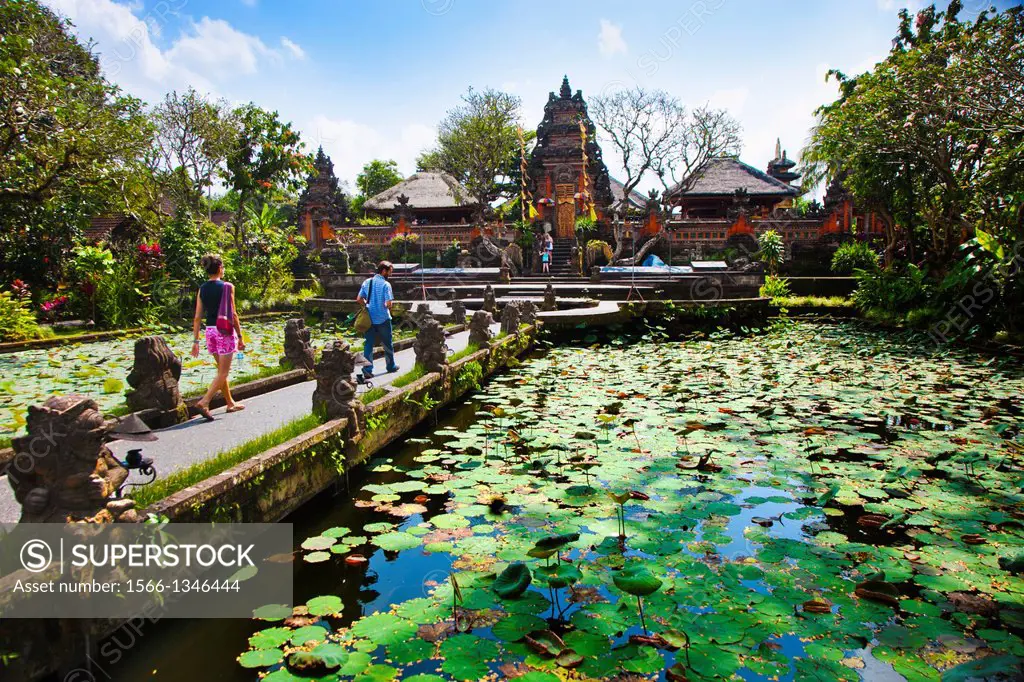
(181, 446)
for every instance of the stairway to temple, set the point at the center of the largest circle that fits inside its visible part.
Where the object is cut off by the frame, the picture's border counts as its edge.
(560, 257)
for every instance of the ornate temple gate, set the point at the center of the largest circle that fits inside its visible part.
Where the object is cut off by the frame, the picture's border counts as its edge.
(565, 216)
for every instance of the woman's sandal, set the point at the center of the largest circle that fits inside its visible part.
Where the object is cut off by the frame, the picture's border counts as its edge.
(204, 412)
(235, 408)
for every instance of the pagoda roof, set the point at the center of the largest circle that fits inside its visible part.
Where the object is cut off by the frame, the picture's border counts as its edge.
(426, 189)
(724, 175)
(636, 199)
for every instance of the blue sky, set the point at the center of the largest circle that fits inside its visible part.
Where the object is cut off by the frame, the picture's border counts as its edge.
(371, 79)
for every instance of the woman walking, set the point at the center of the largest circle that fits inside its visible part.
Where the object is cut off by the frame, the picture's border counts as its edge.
(215, 306)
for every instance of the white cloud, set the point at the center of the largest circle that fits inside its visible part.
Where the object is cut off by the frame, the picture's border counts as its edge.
(609, 40)
(351, 144)
(293, 48)
(214, 47)
(206, 54)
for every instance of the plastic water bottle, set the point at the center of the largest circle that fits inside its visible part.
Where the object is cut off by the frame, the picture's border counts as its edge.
(239, 356)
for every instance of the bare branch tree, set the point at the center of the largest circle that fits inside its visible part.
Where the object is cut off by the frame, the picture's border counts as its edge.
(643, 126)
(707, 133)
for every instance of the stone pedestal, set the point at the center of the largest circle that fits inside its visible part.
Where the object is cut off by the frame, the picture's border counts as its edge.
(490, 304)
(298, 352)
(480, 329)
(510, 318)
(154, 381)
(335, 394)
(429, 346)
(63, 471)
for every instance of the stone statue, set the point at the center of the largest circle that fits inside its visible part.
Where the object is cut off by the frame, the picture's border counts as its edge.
(335, 394)
(595, 274)
(550, 303)
(72, 473)
(480, 329)
(297, 349)
(429, 345)
(154, 378)
(490, 304)
(458, 312)
(422, 311)
(505, 274)
(528, 312)
(510, 318)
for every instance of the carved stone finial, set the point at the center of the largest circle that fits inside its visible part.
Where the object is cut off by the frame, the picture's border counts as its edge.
(490, 304)
(480, 329)
(72, 472)
(335, 394)
(528, 311)
(550, 302)
(154, 379)
(429, 345)
(510, 318)
(297, 348)
(458, 312)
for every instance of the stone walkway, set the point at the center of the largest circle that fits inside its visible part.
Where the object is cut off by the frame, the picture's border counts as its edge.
(183, 445)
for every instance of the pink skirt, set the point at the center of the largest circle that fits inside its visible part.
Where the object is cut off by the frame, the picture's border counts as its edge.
(220, 344)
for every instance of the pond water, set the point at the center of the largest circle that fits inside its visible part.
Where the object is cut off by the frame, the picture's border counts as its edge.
(100, 369)
(796, 505)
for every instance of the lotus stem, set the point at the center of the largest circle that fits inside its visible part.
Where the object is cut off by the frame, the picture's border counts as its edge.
(640, 605)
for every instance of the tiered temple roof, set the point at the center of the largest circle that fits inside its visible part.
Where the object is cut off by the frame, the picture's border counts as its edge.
(557, 157)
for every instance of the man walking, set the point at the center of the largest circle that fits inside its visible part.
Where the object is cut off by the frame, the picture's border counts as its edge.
(377, 296)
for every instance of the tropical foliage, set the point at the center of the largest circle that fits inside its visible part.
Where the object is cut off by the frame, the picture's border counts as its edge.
(931, 141)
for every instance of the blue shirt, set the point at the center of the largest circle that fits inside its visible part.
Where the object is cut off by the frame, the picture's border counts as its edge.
(376, 299)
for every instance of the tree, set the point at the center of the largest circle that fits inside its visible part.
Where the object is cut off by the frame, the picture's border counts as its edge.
(265, 155)
(377, 176)
(194, 135)
(652, 132)
(931, 138)
(477, 143)
(67, 140)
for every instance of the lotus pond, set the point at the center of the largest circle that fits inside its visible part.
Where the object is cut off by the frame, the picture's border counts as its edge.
(100, 369)
(813, 503)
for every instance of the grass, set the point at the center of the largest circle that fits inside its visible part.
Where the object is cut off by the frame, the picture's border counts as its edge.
(813, 301)
(179, 480)
(5, 442)
(373, 394)
(418, 371)
(468, 350)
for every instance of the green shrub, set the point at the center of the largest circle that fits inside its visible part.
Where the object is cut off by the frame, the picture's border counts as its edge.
(17, 322)
(891, 290)
(450, 256)
(774, 287)
(598, 253)
(853, 256)
(771, 250)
